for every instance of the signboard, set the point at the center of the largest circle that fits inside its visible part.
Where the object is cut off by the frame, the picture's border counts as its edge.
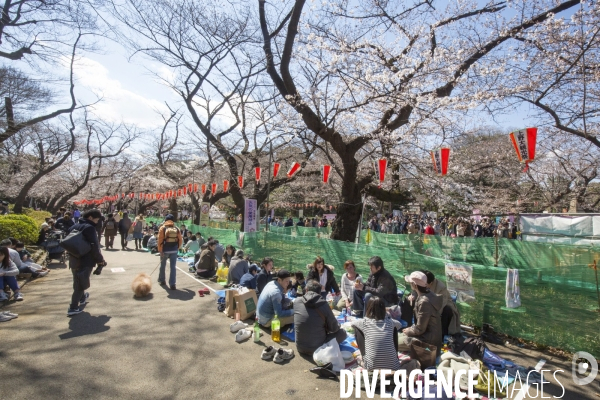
(459, 280)
(396, 213)
(250, 217)
(204, 213)
(301, 214)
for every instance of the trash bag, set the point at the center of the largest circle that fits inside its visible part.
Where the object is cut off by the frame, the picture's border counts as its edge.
(330, 353)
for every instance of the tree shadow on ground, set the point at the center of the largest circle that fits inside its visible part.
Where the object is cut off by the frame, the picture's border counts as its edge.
(86, 324)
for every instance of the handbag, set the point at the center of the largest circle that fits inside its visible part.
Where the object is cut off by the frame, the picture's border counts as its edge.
(423, 352)
(75, 244)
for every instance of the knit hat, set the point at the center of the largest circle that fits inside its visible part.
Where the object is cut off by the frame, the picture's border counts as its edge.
(169, 217)
(418, 278)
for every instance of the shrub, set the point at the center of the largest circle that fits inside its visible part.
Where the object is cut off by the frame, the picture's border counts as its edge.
(19, 226)
(38, 216)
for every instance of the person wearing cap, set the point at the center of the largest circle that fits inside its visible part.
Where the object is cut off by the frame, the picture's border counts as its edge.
(169, 242)
(248, 280)
(380, 283)
(45, 228)
(270, 302)
(428, 308)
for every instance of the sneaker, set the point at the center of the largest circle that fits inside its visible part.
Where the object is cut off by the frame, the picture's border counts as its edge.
(4, 318)
(213, 279)
(173, 287)
(3, 296)
(71, 311)
(18, 296)
(162, 283)
(242, 335)
(268, 353)
(9, 314)
(43, 273)
(84, 299)
(283, 355)
(236, 326)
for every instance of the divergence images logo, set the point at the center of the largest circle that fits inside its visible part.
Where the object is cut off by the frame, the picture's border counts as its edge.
(583, 367)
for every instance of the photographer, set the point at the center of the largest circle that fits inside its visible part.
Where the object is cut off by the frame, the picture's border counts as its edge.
(82, 267)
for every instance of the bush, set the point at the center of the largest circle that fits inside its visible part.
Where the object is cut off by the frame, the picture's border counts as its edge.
(38, 216)
(19, 226)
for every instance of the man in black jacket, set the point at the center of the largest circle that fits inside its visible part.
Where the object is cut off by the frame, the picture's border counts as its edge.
(82, 267)
(380, 283)
(65, 222)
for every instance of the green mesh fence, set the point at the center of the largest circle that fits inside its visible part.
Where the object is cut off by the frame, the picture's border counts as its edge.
(558, 287)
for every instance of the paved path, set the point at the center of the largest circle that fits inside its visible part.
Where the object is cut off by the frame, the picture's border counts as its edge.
(172, 345)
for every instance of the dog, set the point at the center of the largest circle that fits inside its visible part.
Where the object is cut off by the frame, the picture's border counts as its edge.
(141, 285)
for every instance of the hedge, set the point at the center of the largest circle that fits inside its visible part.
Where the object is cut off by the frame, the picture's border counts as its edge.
(19, 226)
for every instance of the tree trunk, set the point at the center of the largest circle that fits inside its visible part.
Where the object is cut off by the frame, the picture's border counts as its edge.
(173, 208)
(350, 207)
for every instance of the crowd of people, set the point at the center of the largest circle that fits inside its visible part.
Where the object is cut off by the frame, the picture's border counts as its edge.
(306, 302)
(474, 226)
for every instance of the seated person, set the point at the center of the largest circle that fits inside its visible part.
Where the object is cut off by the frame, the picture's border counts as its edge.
(264, 276)
(347, 285)
(238, 267)
(450, 315)
(43, 235)
(270, 302)
(192, 244)
(146, 238)
(65, 222)
(8, 273)
(206, 266)
(428, 306)
(321, 273)
(314, 322)
(152, 244)
(16, 259)
(27, 261)
(378, 329)
(380, 283)
(299, 285)
(249, 279)
(228, 255)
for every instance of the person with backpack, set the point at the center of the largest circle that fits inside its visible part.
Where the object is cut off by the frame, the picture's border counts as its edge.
(169, 242)
(138, 231)
(110, 231)
(124, 227)
(82, 266)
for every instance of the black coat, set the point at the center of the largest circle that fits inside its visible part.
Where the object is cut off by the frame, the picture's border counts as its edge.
(383, 285)
(124, 225)
(64, 224)
(263, 278)
(331, 283)
(88, 230)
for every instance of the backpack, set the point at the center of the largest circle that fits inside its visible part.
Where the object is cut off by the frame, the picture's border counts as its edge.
(171, 234)
(473, 346)
(110, 225)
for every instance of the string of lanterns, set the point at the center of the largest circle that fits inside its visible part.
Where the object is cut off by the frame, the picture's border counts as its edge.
(524, 142)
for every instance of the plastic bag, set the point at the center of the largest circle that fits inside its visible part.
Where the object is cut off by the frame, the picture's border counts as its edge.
(129, 237)
(330, 353)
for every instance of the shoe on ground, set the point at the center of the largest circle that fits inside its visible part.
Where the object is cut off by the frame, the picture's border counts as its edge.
(43, 273)
(3, 296)
(173, 287)
(162, 283)
(242, 335)
(71, 311)
(10, 314)
(282, 355)
(84, 299)
(236, 326)
(4, 318)
(268, 353)
(18, 296)
(213, 279)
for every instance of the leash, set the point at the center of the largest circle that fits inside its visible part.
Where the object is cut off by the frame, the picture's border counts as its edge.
(156, 266)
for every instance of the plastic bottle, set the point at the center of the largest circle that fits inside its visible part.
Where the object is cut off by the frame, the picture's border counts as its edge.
(276, 329)
(256, 331)
(344, 315)
(237, 311)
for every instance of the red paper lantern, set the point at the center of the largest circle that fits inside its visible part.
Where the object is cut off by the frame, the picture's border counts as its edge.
(190, 187)
(184, 190)
(240, 181)
(326, 172)
(440, 159)
(131, 195)
(195, 188)
(203, 186)
(213, 189)
(257, 173)
(225, 186)
(276, 167)
(294, 169)
(381, 169)
(122, 195)
(524, 143)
